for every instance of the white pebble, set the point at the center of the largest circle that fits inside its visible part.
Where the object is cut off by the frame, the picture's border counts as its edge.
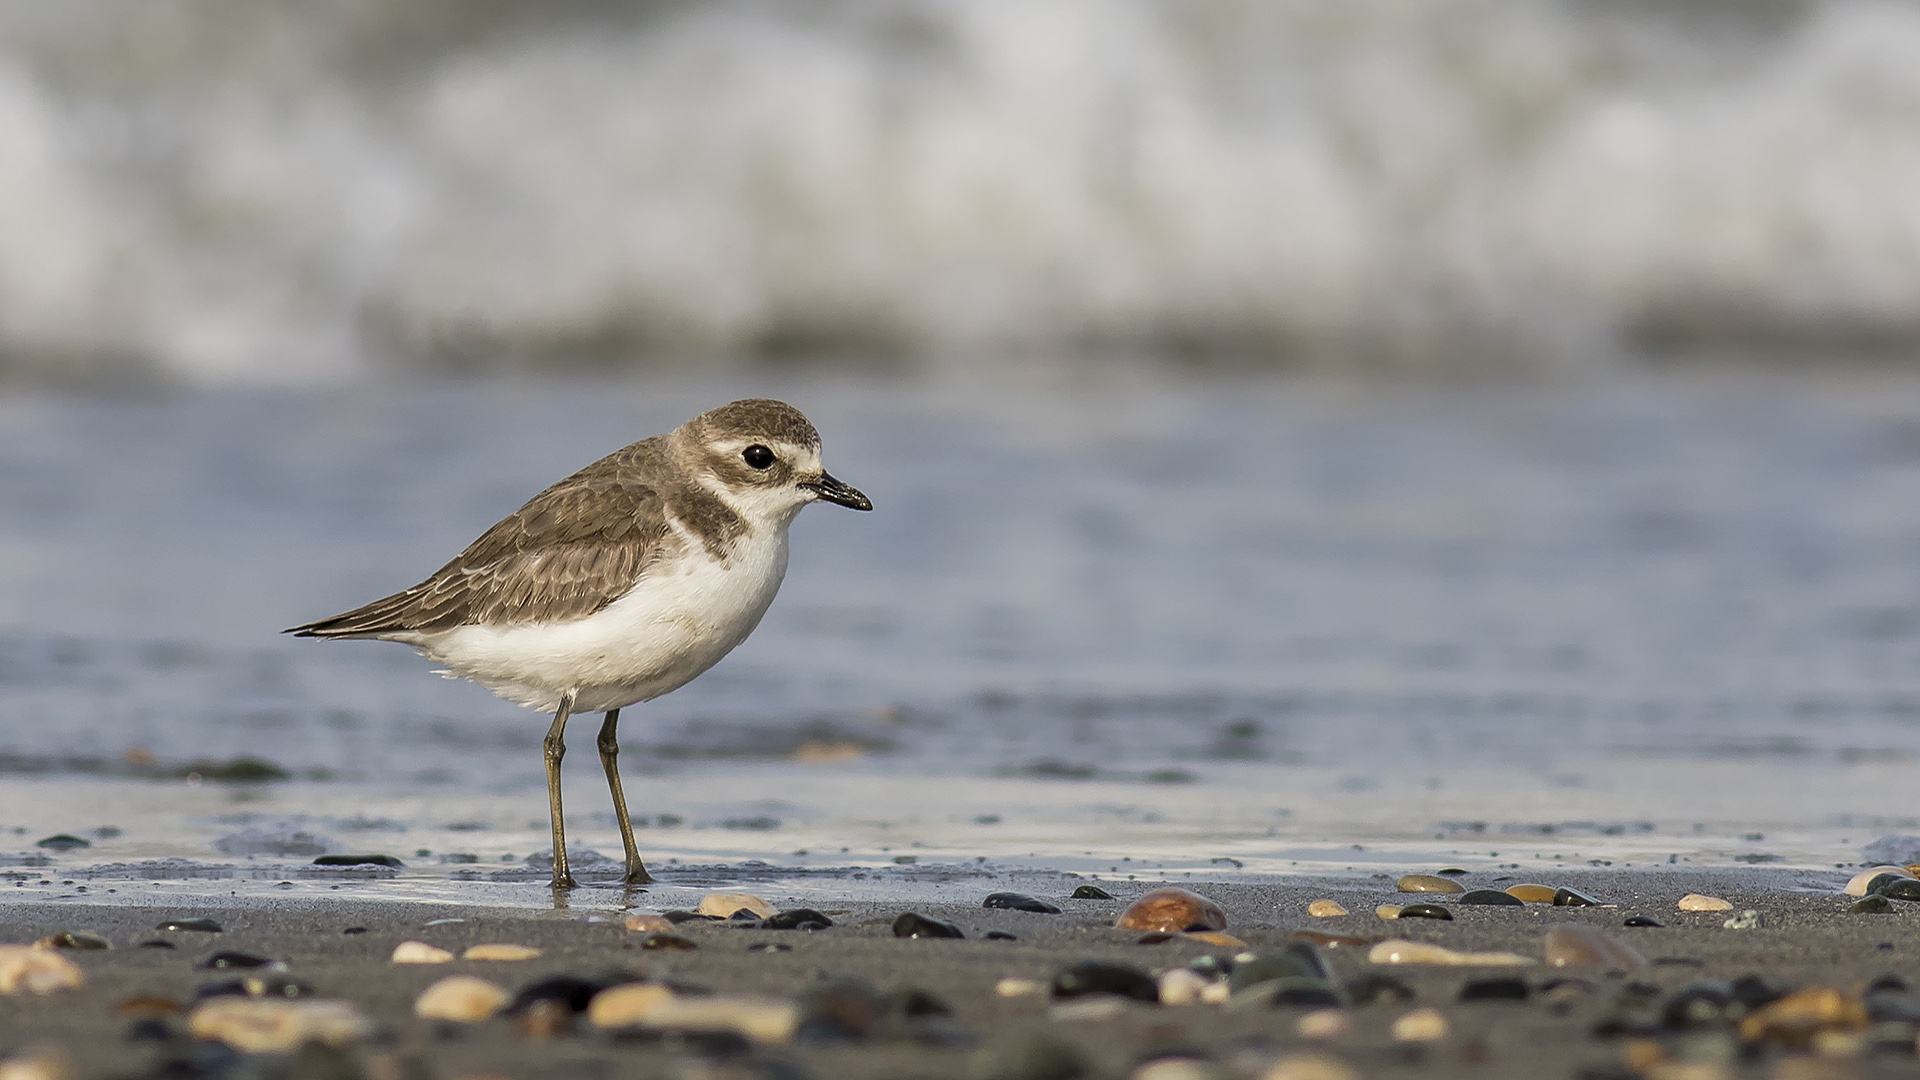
(419, 952)
(1181, 986)
(462, 998)
(1698, 902)
(36, 970)
(1323, 1024)
(1420, 1025)
(501, 951)
(1012, 987)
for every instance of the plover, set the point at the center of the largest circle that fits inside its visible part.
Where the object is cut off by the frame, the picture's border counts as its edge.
(620, 583)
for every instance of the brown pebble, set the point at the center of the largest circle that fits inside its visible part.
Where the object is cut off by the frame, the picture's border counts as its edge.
(649, 924)
(626, 1005)
(500, 951)
(1309, 1067)
(1325, 909)
(1795, 1019)
(74, 939)
(36, 1065)
(1430, 883)
(724, 904)
(1532, 894)
(461, 998)
(1387, 911)
(1173, 910)
(1214, 937)
(1698, 902)
(419, 952)
(1420, 1025)
(1569, 946)
(273, 1026)
(34, 970)
(148, 1005)
(544, 1019)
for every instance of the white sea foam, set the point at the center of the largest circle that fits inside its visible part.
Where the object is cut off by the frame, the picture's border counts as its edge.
(289, 191)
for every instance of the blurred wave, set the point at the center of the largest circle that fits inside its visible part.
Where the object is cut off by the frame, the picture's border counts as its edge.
(285, 190)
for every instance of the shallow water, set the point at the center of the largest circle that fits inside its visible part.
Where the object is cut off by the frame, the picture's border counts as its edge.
(1132, 625)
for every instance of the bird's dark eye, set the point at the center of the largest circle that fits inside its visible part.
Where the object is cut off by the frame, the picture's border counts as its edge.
(758, 456)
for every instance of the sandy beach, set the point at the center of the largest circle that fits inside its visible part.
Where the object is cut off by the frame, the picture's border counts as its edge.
(870, 1004)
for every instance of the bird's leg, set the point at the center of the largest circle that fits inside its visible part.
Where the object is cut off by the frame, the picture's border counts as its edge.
(609, 753)
(556, 748)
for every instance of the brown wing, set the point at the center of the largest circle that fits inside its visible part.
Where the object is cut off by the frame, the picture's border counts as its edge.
(572, 550)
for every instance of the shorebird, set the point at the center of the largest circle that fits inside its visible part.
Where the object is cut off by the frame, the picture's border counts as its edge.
(620, 583)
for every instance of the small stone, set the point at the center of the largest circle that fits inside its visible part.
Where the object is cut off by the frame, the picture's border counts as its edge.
(544, 1020)
(1332, 941)
(1325, 909)
(1309, 1067)
(1031, 1056)
(1011, 987)
(647, 923)
(1426, 911)
(1323, 1024)
(626, 1005)
(1641, 921)
(1797, 1017)
(912, 924)
(1297, 960)
(1092, 1009)
(1172, 910)
(667, 943)
(158, 943)
(1429, 883)
(1895, 888)
(724, 904)
(1871, 905)
(1105, 977)
(358, 860)
(1531, 894)
(1569, 946)
(1401, 951)
(1182, 986)
(1698, 902)
(63, 842)
(1175, 1068)
(1862, 883)
(762, 1020)
(1491, 898)
(1420, 1025)
(1495, 989)
(234, 960)
(34, 970)
(570, 990)
(1013, 901)
(1091, 892)
(1746, 920)
(147, 1005)
(269, 1026)
(201, 926)
(1314, 993)
(419, 952)
(1387, 911)
(36, 1065)
(796, 919)
(1000, 935)
(1565, 897)
(769, 946)
(500, 951)
(74, 939)
(461, 998)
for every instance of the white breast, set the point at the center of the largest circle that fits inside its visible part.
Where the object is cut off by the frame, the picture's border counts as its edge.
(683, 615)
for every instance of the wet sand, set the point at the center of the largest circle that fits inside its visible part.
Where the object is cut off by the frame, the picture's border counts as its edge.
(1807, 938)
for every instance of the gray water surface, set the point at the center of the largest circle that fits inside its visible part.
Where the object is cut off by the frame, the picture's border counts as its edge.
(1217, 626)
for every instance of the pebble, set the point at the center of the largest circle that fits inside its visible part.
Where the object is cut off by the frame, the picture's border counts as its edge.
(770, 946)
(1642, 921)
(1033, 1056)
(1861, 883)
(359, 860)
(1105, 977)
(1182, 986)
(1091, 892)
(652, 924)
(1001, 935)
(460, 998)
(1325, 909)
(62, 842)
(1013, 987)
(419, 952)
(1175, 1068)
(1216, 938)
(1013, 901)
(912, 924)
(1496, 989)
(570, 990)
(1426, 911)
(74, 939)
(1698, 902)
(1101, 1007)
(1429, 883)
(36, 1065)
(723, 904)
(234, 960)
(800, 918)
(268, 1026)
(1172, 910)
(35, 970)
(1401, 951)
(1387, 911)
(667, 942)
(1297, 960)
(1570, 946)
(500, 951)
(1565, 897)
(202, 926)
(763, 1020)
(1491, 898)
(626, 1005)
(544, 1020)
(1746, 920)
(1871, 905)
(1896, 888)
(1309, 1067)
(1375, 988)
(1531, 894)
(1323, 1024)
(1420, 1025)
(1795, 1018)
(838, 1008)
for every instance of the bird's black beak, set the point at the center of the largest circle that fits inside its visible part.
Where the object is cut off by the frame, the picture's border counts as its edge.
(834, 491)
